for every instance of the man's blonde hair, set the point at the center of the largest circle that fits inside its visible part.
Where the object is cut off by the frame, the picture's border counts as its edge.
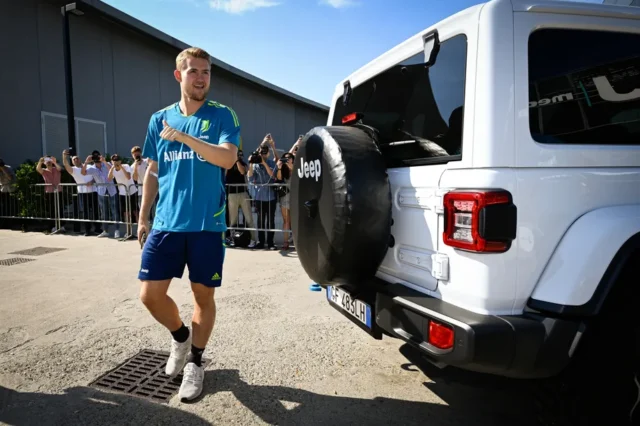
(136, 148)
(193, 52)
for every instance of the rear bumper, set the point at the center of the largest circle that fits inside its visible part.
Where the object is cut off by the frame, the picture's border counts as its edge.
(526, 346)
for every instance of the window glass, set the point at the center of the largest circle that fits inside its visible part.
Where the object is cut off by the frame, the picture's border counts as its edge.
(584, 87)
(417, 111)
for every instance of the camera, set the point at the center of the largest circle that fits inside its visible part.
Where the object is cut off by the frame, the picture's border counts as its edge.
(95, 157)
(72, 151)
(255, 157)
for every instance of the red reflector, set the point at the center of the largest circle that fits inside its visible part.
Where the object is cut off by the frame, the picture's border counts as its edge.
(440, 335)
(350, 118)
(462, 211)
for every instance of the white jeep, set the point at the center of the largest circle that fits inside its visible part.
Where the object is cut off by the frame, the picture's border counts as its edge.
(476, 194)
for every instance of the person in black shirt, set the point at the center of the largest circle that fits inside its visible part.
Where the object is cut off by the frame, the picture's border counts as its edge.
(239, 198)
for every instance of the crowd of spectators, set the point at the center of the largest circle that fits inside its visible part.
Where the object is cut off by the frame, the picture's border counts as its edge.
(108, 194)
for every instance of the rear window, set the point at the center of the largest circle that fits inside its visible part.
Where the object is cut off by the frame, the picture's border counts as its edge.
(584, 87)
(417, 111)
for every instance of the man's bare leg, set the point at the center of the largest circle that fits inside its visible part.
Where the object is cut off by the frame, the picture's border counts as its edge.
(204, 317)
(154, 296)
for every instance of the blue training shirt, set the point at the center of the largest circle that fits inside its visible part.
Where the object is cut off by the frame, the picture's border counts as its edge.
(192, 192)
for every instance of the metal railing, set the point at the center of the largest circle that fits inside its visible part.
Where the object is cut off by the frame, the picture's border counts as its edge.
(261, 209)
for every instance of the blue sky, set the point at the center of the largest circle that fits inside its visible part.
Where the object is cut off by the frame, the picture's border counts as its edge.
(305, 46)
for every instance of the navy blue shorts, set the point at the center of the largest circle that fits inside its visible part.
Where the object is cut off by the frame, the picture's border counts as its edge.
(165, 255)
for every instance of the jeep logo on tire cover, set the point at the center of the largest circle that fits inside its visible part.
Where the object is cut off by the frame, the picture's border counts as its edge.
(310, 169)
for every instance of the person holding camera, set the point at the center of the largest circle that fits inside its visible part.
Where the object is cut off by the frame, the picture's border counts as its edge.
(52, 174)
(128, 193)
(261, 174)
(96, 166)
(87, 195)
(296, 145)
(140, 166)
(284, 173)
(239, 198)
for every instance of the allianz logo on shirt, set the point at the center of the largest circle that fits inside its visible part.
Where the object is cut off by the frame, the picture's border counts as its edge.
(170, 156)
(178, 155)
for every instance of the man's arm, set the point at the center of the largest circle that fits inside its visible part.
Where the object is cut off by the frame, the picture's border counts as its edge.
(127, 173)
(223, 155)
(110, 177)
(39, 166)
(55, 164)
(241, 168)
(149, 191)
(84, 166)
(269, 170)
(65, 162)
(135, 171)
(272, 143)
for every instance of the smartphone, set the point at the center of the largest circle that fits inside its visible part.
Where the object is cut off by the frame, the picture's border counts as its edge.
(47, 159)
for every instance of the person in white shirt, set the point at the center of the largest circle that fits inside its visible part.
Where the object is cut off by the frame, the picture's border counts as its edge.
(87, 193)
(127, 191)
(139, 167)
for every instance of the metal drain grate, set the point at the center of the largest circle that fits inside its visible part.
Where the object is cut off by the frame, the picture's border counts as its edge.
(14, 261)
(142, 375)
(38, 251)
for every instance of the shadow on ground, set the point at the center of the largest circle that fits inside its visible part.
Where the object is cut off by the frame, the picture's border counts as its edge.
(272, 404)
(284, 405)
(83, 406)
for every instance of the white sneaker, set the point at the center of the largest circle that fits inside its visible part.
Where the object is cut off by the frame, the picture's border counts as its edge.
(192, 382)
(252, 244)
(103, 234)
(178, 357)
(116, 234)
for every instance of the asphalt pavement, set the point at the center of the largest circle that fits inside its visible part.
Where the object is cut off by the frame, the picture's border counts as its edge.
(279, 353)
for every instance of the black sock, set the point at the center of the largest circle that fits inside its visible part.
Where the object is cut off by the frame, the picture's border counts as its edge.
(195, 356)
(181, 335)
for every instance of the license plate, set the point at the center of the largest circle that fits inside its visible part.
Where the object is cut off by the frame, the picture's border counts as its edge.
(346, 303)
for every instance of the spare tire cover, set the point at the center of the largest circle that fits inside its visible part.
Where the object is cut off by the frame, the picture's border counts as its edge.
(340, 205)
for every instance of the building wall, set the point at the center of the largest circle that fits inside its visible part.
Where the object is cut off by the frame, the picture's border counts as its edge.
(120, 77)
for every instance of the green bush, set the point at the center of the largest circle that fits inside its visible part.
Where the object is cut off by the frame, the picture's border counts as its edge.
(30, 205)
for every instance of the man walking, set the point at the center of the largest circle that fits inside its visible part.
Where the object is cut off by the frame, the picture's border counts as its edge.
(188, 146)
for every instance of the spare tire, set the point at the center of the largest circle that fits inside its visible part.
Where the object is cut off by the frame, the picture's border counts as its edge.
(340, 205)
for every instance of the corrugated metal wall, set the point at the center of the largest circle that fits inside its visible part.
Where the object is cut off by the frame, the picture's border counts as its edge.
(120, 79)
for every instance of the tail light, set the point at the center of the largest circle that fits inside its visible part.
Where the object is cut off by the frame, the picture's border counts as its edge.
(479, 221)
(440, 335)
(351, 118)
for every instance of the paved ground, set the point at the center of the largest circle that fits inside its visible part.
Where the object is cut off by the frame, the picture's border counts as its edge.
(280, 354)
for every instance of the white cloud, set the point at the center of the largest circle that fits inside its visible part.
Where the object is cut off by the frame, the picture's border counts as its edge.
(339, 4)
(240, 6)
